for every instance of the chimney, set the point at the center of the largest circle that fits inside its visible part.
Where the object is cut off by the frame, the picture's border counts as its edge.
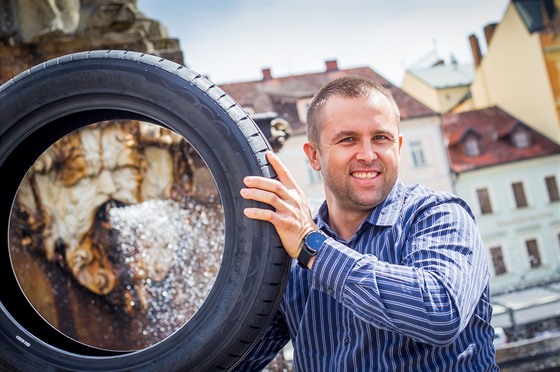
(475, 48)
(267, 75)
(331, 65)
(489, 32)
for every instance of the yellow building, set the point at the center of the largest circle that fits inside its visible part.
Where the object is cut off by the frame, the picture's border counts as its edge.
(441, 87)
(521, 71)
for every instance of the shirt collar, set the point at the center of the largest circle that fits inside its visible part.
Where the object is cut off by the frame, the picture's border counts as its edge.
(385, 214)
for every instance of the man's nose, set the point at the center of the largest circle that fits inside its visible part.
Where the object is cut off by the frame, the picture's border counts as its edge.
(366, 152)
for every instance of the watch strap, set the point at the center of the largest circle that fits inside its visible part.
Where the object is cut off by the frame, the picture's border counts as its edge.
(315, 239)
(305, 255)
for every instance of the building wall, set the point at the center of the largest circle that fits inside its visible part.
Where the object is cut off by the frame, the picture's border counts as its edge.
(449, 97)
(425, 134)
(551, 50)
(293, 156)
(509, 227)
(423, 92)
(513, 75)
(439, 100)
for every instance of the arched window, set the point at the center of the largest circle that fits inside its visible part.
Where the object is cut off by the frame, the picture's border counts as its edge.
(471, 146)
(521, 138)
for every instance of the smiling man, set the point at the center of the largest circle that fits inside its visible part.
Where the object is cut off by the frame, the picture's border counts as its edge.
(388, 277)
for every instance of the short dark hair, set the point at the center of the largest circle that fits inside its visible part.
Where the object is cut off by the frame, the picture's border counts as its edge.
(348, 86)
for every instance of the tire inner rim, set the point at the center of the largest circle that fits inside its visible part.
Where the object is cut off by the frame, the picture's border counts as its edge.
(117, 234)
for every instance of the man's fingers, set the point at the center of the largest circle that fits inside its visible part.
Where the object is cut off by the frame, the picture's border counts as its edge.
(268, 185)
(284, 175)
(259, 214)
(263, 196)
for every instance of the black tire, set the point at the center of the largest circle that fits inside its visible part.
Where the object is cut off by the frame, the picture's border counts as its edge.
(50, 100)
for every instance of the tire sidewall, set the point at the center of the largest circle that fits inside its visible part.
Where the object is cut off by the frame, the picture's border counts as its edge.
(48, 104)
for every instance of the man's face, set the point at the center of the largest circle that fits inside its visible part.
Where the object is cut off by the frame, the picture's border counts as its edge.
(358, 151)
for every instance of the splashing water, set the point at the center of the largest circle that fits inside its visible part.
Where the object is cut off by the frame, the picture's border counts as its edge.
(173, 254)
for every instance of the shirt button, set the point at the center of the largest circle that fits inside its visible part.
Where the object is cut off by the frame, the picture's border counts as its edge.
(346, 341)
(331, 291)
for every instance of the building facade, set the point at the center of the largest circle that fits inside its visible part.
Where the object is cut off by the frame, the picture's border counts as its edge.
(521, 69)
(441, 87)
(510, 175)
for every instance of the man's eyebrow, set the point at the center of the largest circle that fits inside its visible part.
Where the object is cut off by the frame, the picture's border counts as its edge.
(351, 133)
(345, 133)
(387, 133)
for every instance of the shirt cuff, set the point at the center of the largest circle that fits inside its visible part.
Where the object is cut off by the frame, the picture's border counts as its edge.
(331, 267)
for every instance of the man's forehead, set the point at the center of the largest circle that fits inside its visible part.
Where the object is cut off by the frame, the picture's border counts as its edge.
(375, 99)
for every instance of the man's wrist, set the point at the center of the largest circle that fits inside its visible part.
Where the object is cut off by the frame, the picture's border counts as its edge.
(311, 261)
(310, 244)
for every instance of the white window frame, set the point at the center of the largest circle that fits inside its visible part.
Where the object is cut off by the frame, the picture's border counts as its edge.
(302, 105)
(472, 146)
(417, 154)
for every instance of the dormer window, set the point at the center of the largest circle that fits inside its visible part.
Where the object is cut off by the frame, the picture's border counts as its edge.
(472, 147)
(521, 138)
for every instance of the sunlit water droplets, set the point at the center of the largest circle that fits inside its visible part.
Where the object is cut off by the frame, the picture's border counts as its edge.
(173, 255)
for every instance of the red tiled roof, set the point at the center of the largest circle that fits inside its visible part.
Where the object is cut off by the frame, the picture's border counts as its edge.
(493, 128)
(280, 94)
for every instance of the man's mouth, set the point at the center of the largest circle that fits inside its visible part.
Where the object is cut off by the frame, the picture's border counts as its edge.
(364, 175)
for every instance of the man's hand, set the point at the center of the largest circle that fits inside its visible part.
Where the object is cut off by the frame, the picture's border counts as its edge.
(291, 215)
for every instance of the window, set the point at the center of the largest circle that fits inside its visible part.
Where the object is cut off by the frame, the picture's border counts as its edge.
(533, 252)
(552, 188)
(417, 153)
(519, 193)
(498, 260)
(471, 146)
(521, 138)
(302, 106)
(313, 176)
(484, 201)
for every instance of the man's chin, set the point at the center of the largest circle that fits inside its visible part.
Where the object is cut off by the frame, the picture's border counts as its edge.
(370, 199)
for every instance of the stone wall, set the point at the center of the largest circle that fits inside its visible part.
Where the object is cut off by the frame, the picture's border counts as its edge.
(33, 31)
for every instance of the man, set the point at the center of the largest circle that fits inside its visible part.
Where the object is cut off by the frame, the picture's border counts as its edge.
(389, 277)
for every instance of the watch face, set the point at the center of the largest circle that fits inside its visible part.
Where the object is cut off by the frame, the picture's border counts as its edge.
(314, 240)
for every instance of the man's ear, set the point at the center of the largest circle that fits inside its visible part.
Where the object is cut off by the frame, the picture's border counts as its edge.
(312, 153)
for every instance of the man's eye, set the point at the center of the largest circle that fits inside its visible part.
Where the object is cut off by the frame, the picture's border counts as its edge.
(347, 139)
(380, 137)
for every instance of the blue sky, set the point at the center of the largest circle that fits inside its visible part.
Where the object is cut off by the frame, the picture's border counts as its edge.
(233, 40)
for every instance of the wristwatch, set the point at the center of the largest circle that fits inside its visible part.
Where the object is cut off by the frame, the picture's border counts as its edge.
(309, 247)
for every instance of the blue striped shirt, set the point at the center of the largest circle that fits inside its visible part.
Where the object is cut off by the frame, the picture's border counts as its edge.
(408, 292)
